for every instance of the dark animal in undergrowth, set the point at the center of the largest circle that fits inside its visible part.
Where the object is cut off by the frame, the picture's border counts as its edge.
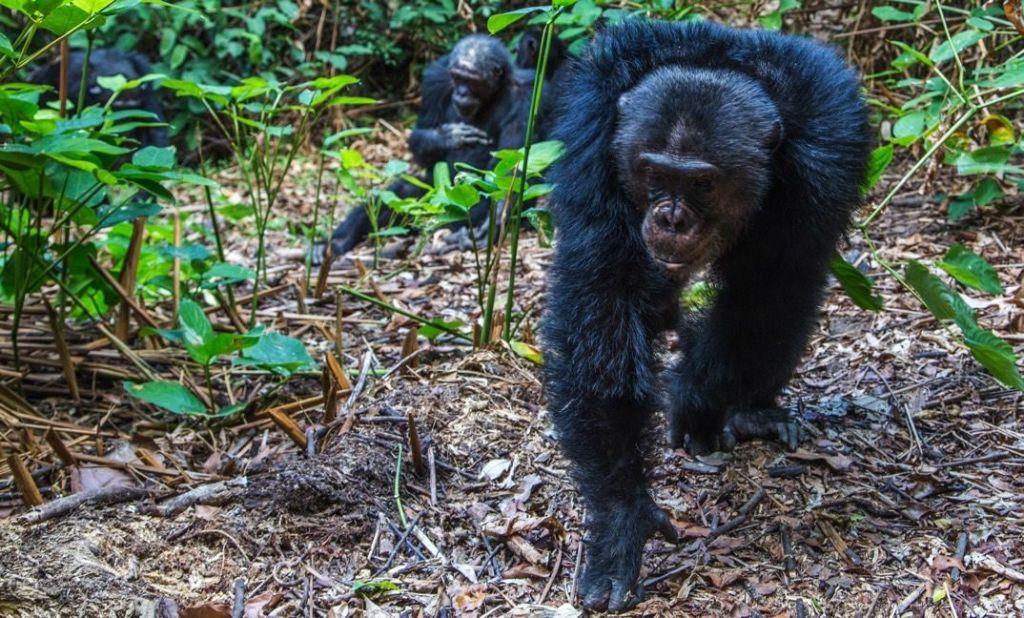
(108, 63)
(687, 146)
(474, 101)
(528, 52)
(559, 58)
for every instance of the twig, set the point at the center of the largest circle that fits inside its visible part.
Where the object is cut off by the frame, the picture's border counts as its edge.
(402, 540)
(100, 495)
(552, 577)
(909, 600)
(204, 494)
(30, 494)
(414, 446)
(741, 515)
(238, 607)
(961, 551)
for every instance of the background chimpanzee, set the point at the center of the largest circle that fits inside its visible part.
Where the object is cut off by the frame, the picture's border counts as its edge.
(473, 102)
(687, 145)
(528, 52)
(107, 63)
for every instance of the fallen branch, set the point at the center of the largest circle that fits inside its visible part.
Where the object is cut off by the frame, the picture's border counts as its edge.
(204, 494)
(98, 496)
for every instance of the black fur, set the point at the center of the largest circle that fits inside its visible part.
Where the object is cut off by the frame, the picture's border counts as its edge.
(500, 121)
(793, 151)
(528, 52)
(107, 63)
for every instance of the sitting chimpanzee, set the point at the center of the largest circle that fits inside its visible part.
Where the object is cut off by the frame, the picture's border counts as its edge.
(473, 102)
(107, 63)
(687, 146)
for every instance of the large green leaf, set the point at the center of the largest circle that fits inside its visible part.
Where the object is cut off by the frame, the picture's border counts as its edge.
(278, 353)
(954, 45)
(497, 23)
(856, 284)
(971, 269)
(170, 396)
(994, 354)
(933, 292)
(152, 157)
(880, 159)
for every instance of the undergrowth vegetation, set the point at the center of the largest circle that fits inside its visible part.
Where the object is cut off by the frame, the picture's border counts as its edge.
(92, 230)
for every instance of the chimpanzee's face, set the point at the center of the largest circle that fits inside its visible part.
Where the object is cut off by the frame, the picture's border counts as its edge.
(478, 70)
(683, 218)
(694, 159)
(473, 88)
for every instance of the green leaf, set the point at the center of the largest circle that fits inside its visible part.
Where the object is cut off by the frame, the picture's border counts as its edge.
(971, 269)
(954, 45)
(152, 157)
(223, 273)
(525, 350)
(994, 354)
(194, 323)
(498, 22)
(109, 216)
(856, 284)
(435, 328)
(888, 13)
(987, 191)
(278, 353)
(6, 48)
(879, 161)
(373, 588)
(933, 292)
(773, 20)
(170, 396)
(910, 127)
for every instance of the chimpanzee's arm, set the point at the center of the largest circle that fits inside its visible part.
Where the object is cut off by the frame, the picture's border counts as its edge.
(604, 309)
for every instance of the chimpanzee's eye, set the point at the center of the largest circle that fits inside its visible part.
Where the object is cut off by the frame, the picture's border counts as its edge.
(702, 184)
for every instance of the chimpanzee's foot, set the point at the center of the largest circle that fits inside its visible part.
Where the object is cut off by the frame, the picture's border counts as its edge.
(614, 552)
(747, 424)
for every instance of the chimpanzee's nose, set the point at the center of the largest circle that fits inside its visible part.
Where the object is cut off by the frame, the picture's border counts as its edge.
(671, 217)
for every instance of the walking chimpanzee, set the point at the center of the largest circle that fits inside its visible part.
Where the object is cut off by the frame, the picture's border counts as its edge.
(687, 146)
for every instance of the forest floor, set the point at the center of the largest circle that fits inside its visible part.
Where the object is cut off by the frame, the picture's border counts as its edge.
(905, 496)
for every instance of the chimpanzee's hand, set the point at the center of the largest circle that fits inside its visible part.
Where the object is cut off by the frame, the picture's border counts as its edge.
(457, 135)
(617, 533)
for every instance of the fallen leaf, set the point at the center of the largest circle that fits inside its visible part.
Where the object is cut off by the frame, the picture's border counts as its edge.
(523, 570)
(254, 607)
(207, 610)
(494, 469)
(470, 598)
(839, 463)
(944, 563)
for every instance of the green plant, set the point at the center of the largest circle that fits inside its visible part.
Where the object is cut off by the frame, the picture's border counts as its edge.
(266, 123)
(957, 111)
(265, 350)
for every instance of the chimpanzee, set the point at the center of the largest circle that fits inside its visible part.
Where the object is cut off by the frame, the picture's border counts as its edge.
(107, 63)
(473, 102)
(528, 52)
(687, 146)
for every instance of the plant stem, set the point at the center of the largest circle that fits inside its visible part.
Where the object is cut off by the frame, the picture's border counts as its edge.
(515, 214)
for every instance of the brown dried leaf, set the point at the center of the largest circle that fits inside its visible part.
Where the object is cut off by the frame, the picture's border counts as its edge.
(207, 610)
(839, 463)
